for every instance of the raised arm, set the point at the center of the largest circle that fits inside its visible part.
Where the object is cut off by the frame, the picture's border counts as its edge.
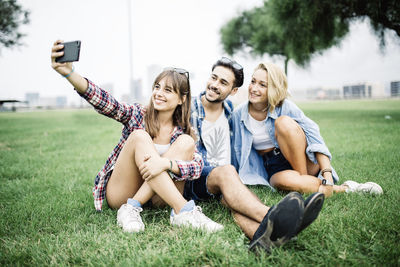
(101, 100)
(66, 69)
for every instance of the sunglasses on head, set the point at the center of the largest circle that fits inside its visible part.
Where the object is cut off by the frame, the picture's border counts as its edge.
(231, 62)
(180, 71)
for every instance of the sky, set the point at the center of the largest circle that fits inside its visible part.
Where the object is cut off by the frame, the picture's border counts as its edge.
(177, 33)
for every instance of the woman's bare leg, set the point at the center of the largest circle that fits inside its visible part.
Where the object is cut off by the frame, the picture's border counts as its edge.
(291, 180)
(292, 142)
(182, 149)
(126, 180)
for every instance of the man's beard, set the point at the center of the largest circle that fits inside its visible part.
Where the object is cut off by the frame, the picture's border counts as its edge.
(218, 100)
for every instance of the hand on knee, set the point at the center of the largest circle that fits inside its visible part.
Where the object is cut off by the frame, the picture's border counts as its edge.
(152, 166)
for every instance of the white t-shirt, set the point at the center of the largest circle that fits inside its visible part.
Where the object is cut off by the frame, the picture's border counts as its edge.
(216, 139)
(161, 149)
(261, 139)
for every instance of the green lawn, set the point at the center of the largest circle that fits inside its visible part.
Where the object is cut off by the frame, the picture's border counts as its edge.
(49, 160)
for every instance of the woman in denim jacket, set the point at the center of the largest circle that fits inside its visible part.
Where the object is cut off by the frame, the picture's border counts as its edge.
(275, 143)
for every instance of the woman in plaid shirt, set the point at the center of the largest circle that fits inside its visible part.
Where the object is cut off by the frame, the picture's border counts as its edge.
(157, 144)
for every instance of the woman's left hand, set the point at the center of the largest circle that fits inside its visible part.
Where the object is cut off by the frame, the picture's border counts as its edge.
(153, 166)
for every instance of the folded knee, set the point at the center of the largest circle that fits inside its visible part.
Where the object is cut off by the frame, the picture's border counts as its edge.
(185, 143)
(138, 136)
(285, 125)
(225, 174)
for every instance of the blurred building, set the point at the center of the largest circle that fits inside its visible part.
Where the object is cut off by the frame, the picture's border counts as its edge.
(61, 101)
(136, 91)
(135, 94)
(53, 102)
(298, 94)
(363, 90)
(322, 93)
(32, 99)
(395, 88)
(152, 72)
(317, 93)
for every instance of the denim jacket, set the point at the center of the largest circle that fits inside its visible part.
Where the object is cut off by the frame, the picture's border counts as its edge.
(197, 117)
(246, 159)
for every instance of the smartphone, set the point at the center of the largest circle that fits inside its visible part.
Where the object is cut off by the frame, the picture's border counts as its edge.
(71, 52)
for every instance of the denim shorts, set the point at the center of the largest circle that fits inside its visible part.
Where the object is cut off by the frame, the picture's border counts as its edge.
(197, 189)
(274, 162)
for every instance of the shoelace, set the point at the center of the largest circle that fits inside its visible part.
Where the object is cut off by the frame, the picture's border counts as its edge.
(134, 213)
(201, 218)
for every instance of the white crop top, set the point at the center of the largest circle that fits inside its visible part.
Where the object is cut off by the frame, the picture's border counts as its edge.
(161, 149)
(261, 139)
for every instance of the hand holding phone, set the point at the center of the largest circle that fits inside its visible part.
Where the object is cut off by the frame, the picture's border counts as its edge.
(71, 52)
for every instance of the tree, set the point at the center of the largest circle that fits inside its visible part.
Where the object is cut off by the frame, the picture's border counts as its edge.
(254, 29)
(300, 29)
(12, 15)
(384, 15)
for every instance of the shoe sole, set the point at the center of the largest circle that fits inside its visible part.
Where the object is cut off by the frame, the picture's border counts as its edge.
(119, 223)
(291, 208)
(375, 188)
(199, 228)
(312, 208)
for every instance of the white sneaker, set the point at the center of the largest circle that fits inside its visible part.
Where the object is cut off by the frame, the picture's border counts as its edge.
(369, 187)
(128, 217)
(196, 219)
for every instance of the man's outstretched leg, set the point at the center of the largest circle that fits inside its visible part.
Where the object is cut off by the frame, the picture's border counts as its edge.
(282, 222)
(259, 222)
(237, 196)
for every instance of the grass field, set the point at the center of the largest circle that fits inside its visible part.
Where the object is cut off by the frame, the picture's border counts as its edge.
(48, 161)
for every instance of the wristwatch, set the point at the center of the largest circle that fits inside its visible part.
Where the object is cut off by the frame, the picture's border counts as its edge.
(326, 182)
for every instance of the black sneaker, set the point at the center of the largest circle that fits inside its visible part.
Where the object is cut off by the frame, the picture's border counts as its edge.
(280, 224)
(312, 207)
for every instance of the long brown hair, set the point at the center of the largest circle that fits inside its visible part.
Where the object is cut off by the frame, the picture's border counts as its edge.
(181, 116)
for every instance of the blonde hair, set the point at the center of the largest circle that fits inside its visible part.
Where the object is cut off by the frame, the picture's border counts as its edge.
(181, 116)
(277, 88)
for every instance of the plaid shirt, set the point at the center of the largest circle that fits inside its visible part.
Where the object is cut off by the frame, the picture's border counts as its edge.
(132, 117)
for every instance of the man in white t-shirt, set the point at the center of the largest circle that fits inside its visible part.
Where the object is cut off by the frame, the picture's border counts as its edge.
(211, 111)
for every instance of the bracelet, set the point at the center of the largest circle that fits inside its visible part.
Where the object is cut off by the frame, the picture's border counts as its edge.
(326, 170)
(69, 74)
